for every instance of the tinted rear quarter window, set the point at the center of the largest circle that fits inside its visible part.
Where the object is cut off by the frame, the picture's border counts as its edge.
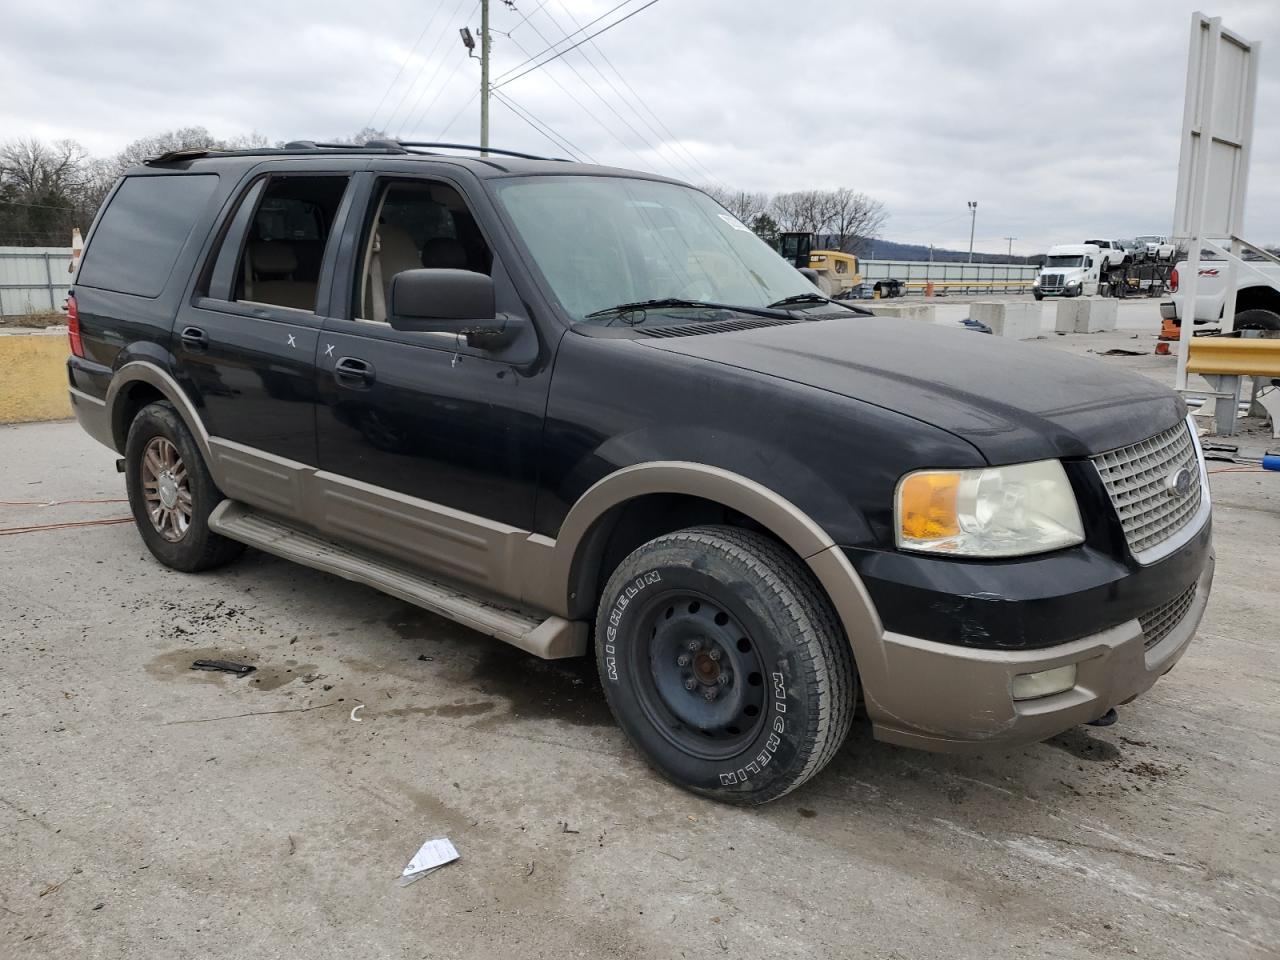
(142, 231)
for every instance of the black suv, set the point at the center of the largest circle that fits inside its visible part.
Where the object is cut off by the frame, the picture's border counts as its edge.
(585, 409)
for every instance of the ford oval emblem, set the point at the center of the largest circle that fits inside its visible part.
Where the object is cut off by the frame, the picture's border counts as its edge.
(1178, 483)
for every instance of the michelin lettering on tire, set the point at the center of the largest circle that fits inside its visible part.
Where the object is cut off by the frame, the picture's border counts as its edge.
(625, 596)
(778, 726)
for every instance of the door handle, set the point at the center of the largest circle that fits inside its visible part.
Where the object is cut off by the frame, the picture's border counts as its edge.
(353, 372)
(194, 338)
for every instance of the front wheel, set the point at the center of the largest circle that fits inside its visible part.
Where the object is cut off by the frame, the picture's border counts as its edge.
(724, 663)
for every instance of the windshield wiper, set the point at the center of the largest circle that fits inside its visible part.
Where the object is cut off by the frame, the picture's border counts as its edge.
(817, 298)
(671, 303)
(801, 298)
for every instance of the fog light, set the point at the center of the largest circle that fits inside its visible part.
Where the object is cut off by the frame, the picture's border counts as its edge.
(1029, 686)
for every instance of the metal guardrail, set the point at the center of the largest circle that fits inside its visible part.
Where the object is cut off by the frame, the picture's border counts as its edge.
(42, 293)
(1234, 357)
(949, 276)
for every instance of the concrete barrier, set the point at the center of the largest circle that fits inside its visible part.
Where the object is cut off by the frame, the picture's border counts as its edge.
(907, 311)
(1082, 315)
(1020, 321)
(33, 376)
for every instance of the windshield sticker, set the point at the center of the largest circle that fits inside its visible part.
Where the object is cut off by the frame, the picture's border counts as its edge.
(734, 222)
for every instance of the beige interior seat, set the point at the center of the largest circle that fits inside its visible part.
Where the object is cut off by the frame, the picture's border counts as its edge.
(394, 251)
(272, 264)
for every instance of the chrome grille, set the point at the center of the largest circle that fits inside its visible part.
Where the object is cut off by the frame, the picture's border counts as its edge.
(1051, 281)
(1137, 478)
(1157, 623)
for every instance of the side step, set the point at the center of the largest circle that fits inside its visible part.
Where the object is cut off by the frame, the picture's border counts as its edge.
(550, 638)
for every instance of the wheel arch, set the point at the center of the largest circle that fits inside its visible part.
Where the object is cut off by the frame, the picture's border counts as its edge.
(573, 575)
(1258, 297)
(140, 382)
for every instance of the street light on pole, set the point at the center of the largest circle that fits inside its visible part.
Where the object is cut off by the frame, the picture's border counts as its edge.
(973, 221)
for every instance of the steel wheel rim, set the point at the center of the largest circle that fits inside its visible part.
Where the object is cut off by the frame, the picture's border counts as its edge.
(691, 646)
(166, 489)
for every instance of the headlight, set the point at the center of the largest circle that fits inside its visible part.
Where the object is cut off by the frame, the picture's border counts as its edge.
(991, 512)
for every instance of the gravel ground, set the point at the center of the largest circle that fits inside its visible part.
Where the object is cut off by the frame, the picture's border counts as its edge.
(147, 810)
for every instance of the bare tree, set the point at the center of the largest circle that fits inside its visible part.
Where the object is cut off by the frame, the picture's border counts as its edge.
(34, 167)
(855, 217)
(805, 211)
(746, 205)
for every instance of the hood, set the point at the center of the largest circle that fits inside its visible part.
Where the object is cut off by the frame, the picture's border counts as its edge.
(1013, 401)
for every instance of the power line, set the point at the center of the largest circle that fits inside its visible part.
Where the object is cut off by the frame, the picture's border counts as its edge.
(550, 48)
(524, 18)
(672, 140)
(425, 63)
(612, 109)
(413, 111)
(587, 110)
(448, 126)
(559, 139)
(404, 63)
(561, 53)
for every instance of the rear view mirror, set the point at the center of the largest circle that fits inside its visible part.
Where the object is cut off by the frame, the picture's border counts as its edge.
(447, 301)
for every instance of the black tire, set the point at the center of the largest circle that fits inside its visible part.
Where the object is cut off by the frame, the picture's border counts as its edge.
(194, 547)
(735, 606)
(1257, 319)
(1037, 294)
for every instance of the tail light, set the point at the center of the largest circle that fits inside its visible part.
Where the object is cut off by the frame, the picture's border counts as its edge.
(1173, 281)
(73, 327)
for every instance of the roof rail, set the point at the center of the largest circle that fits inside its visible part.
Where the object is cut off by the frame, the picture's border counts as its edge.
(383, 146)
(472, 146)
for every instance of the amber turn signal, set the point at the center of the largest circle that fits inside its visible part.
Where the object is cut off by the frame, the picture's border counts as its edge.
(927, 505)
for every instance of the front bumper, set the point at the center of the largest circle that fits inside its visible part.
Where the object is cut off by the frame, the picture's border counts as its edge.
(937, 696)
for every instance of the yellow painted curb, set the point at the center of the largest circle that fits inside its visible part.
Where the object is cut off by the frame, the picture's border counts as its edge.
(33, 377)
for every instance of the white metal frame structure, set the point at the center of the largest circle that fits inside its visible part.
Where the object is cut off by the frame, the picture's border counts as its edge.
(1213, 166)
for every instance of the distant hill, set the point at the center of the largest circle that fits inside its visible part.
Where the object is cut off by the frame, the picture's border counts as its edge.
(890, 250)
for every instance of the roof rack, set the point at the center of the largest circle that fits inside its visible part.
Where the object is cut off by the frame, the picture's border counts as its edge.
(470, 146)
(418, 147)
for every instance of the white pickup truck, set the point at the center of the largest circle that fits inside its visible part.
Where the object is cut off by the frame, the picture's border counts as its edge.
(1155, 248)
(1257, 296)
(1110, 253)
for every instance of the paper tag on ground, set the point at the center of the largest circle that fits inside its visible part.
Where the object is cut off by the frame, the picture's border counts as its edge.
(432, 854)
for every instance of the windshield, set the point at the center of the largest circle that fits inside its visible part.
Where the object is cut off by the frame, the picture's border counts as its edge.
(1060, 261)
(1148, 240)
(604, 241)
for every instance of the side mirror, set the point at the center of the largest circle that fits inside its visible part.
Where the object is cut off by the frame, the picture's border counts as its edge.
(447, 301)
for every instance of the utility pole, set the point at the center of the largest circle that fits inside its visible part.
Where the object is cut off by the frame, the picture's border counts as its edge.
(1010, 239)
(973, 221)
(484, 78)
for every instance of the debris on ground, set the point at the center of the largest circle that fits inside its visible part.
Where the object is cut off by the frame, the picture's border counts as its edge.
(430, 856)
(564, 827)
(224, 666)
(1121, 352)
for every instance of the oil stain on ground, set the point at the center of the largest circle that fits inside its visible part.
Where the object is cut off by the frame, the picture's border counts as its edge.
(567, 690)
(176, 665)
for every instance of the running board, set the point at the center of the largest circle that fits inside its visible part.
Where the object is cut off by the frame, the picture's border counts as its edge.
(548, 637)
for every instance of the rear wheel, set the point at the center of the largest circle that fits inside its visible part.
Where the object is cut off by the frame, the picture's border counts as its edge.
(1257, 319)
(171, 492)
(724, 664)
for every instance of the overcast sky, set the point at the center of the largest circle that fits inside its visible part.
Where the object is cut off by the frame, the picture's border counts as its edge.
(1061, 120)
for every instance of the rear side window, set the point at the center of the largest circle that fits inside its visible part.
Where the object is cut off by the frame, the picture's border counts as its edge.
(142, 231)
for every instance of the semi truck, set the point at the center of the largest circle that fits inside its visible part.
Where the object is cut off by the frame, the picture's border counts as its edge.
(1070, 270)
